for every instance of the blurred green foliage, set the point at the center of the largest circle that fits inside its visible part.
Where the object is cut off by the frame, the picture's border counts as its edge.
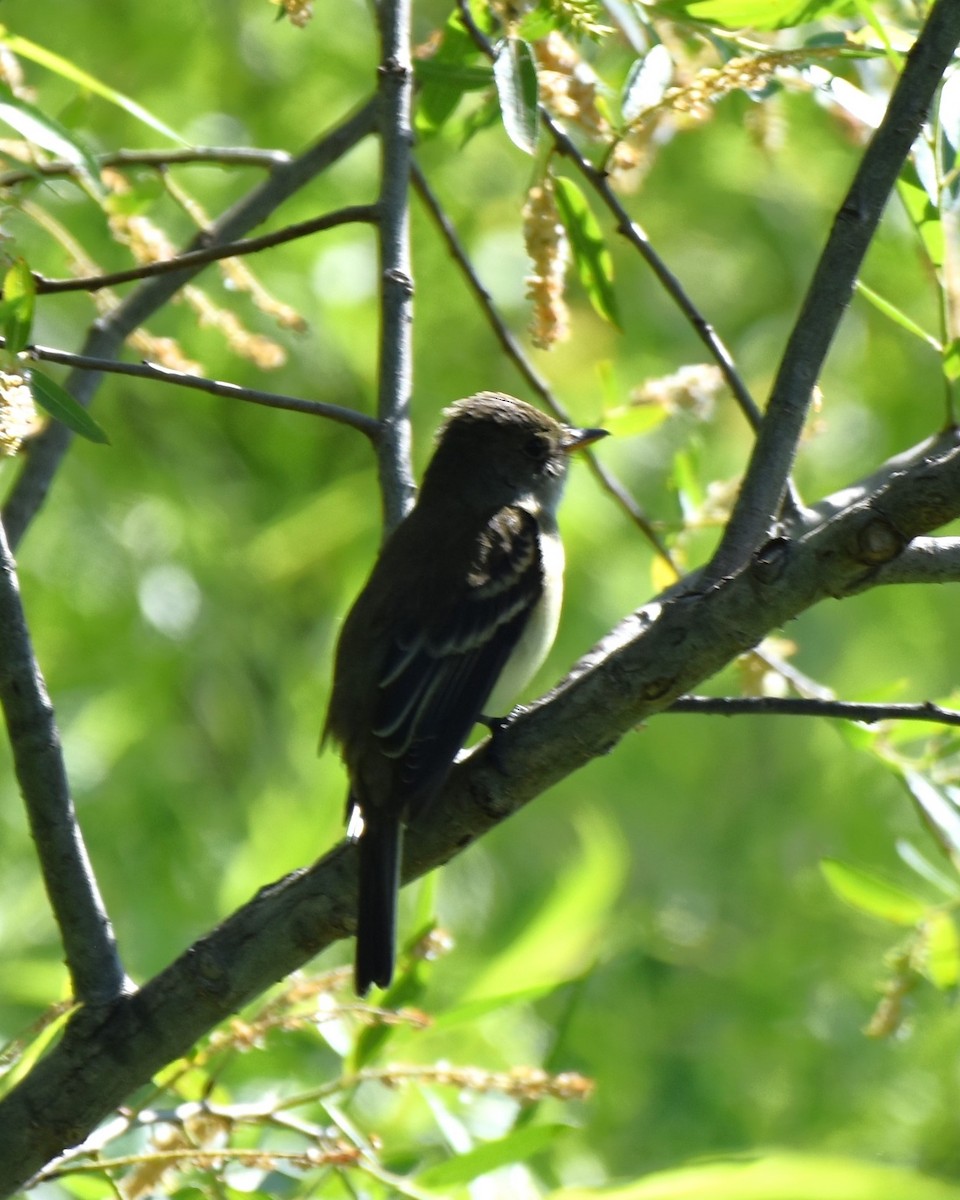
(661, 918)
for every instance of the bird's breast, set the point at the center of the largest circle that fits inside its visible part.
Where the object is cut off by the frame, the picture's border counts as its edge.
(538, 633)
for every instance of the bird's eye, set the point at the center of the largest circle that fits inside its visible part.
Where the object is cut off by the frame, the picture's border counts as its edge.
(537, 448)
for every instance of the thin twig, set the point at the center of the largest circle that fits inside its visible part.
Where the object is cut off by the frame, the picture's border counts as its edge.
(352, 214)
(637, 237)
(395, 367)
(108, 333)
(90, 949)
(368, 426)
(514, 351)
(215, 156)
(830, 290)
(795, 706)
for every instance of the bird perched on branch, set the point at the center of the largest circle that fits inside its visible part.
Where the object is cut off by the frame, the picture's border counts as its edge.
(459, 612)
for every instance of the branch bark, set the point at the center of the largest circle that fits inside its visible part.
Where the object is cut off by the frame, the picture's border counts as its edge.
(96, 973)
(657, 654)
(771, 462)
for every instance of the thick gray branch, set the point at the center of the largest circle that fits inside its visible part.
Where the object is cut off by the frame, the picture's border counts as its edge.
(96, 973)
(765, 484)
(108, 333)
(656, 655)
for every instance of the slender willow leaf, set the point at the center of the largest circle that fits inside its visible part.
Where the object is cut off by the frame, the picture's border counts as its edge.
(62, 66)
(758, 14)
(19, 295)
(591, 256)
(872, 894)
(515, 73)
(491, 1156)
(40, 130)
(60, 404)
(896, 314)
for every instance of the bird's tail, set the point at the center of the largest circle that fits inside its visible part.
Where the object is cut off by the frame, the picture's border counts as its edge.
(380, 847)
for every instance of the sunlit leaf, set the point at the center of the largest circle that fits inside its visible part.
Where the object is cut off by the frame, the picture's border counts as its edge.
(757, 14)
(895, 314)
(515, 72)
(948, 111)
(941, 815)
(19, 295)
(923, 213)
(648, 79)
(42, 130)
(563, 938)
(776, 1177)
(491, 1156)
(951, 360)
(68, 70)
(60, 404)
(872, 894)
(591, 255)
(941, 949)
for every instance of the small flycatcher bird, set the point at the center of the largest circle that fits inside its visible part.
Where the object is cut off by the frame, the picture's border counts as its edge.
(459, 612)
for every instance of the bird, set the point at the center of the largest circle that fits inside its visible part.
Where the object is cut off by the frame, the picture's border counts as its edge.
(458, 612)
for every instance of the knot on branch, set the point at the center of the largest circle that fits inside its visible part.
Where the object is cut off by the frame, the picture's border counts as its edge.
(878, 541)
(770, 560)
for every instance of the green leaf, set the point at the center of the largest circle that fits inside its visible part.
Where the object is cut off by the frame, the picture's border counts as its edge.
(940, 814)
(923, 213)
(515, 73)
(563, 938)
(444, 77)
(591, 256)
(646, 83)
(757, 14)
(63, 67)
(19, 296)
(777, 1177)
(60, 404)
(491, 1156)
(896, 314)
(941, 950)
(40, 130)
(951, 360)
(872, 894)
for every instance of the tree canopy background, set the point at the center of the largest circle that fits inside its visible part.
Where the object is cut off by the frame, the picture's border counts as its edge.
(661, 921)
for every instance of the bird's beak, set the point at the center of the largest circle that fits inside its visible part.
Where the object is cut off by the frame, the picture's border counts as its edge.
(576, 439)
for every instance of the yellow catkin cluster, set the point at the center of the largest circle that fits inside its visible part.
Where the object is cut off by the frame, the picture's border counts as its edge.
(299, 12)
(692, 389)
(746, 73)
(260, 350)
(148, 243)
(549, 251)
(18, 414)
(522, 1083)
(569, 87)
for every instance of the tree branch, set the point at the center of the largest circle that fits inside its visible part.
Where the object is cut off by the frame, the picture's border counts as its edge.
(215, 156)
(514, 352)
(797, 706)
(771, 462)
(96, 973)
(925, 560)
(652, 658)
(368, 426)
(395, 368)
(353, 214)
(637, 238)
(108, 333)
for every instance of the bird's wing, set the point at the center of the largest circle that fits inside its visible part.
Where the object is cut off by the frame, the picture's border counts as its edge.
(436, 680)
